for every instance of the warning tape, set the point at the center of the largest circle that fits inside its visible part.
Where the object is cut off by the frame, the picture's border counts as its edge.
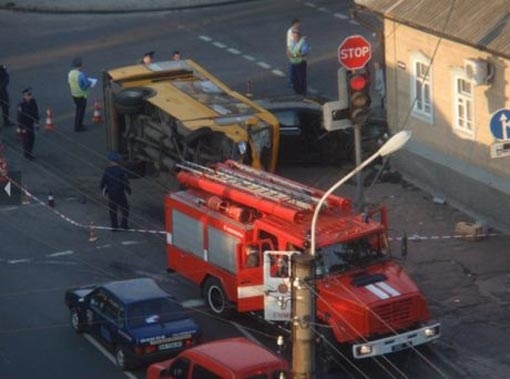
(73, 222)
(414, 237)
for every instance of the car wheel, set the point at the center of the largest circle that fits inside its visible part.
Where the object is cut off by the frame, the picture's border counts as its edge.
(215, 297)
(132, 100)
(121, 359)
(76, 322)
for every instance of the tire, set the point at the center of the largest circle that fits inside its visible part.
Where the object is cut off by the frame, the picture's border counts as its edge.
(122, 360)
(131, 101)
(76, 322)
(216, 298)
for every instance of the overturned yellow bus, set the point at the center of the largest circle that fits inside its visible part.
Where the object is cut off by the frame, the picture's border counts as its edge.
(166, 112)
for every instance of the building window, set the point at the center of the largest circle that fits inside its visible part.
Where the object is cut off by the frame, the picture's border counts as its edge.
(464, 106)
(421, 89)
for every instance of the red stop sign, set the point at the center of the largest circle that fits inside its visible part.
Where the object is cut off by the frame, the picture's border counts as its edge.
(354, 52)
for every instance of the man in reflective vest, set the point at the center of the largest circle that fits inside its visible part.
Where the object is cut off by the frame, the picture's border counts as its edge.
(297, 53)
(79, 85)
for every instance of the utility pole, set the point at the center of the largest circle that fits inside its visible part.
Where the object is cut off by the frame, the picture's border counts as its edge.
(303, 317)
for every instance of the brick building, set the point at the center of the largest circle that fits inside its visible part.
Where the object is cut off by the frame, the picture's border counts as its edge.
(447, 68)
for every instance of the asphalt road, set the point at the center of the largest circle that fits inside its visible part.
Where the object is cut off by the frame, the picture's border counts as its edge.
(44, 251)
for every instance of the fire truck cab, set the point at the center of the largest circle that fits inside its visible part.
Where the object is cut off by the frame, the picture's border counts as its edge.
(234, 229)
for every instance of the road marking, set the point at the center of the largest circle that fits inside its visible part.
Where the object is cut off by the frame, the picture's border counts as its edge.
(248, 57)
(219, 44)
(61, 253)
(279, 73)
(233, 51)
(311, 5)
(127, 243)
(106, 353)
(341, 16)
(205, 38)
(16, 261)
(264, 65)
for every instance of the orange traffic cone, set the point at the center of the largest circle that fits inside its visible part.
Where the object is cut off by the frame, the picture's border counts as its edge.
(96, 117)
(92, 232)
(49, 125)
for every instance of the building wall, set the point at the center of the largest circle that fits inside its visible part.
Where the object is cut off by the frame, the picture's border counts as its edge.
(451, 163)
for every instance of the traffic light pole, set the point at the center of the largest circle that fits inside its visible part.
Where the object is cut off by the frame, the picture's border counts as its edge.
(359, 197)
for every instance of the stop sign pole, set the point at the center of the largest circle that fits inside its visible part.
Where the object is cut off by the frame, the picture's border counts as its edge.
(354, 53)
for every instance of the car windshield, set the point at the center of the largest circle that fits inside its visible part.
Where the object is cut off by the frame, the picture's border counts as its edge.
(342, 256)
(155, 311)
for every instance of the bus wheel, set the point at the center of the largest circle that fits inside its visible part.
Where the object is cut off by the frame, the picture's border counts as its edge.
(215, 297)
(132, 100)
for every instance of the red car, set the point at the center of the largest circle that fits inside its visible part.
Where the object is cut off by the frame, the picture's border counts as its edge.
(233, 358)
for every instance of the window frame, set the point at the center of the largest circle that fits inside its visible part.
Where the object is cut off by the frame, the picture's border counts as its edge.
(468, 105)
(418, 58)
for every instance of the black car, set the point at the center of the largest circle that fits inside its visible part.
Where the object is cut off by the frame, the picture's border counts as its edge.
(303, 138)
(136, 318)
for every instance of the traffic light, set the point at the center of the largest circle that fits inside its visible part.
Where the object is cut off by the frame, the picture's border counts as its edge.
(359, 97)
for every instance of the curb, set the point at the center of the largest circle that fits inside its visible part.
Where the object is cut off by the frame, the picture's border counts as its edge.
(108, 6)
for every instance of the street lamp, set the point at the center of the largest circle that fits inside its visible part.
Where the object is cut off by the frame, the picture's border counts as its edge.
(392, 145)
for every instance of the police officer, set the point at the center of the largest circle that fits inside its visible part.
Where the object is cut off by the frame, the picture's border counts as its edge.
(79, 85)
(28, 119)
(115, 184)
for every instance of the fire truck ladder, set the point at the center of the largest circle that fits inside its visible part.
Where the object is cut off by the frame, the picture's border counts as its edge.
(261, 183)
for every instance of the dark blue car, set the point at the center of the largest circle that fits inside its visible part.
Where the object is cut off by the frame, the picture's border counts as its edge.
(136, 318)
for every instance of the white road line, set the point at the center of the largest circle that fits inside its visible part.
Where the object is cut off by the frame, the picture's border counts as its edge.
(311, 5)
(322, 9)
(16, 261)
(61, 253)
(279, 73)
(233, 51)
(341, 16)
(205, 38)
(219, 44)
(249, 57)
(264, 65)
(354, 22)
(106, 353)
(106, 246)
(126, 243)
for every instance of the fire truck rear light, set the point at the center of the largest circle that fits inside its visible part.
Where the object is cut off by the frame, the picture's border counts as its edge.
(364, 349)
(431, 332)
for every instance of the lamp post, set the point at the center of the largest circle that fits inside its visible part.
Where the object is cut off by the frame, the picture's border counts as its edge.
(393, 144)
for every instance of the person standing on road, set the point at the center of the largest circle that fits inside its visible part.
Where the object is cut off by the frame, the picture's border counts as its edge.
(28, 119)
(294, 25)
(297, 53)
(4, 95)
(115, 185)
(79, 85)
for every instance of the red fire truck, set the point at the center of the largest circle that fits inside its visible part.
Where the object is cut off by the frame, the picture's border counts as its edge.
(233, 230)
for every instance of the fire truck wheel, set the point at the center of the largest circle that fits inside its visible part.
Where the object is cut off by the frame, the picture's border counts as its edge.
(76, 322)
(215, 297)
(132, 100)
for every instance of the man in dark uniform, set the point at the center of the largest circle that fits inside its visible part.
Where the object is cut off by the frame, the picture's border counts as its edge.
(115, 184)
(28, 118)
(4, 95)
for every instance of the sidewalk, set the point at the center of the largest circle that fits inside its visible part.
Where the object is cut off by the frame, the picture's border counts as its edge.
(108, 6)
